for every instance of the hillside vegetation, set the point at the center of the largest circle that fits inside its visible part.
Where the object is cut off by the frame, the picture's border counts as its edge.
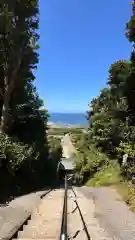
(112, 127)
(62, 130)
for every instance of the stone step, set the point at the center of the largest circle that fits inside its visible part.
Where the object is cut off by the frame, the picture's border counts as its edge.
(33, 239)
(45, 222)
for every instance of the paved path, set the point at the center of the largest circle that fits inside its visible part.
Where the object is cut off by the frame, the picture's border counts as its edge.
(107, 217)
(46, 218)
(112, 213)
(67, 146)
(75, 225)
(16, 212)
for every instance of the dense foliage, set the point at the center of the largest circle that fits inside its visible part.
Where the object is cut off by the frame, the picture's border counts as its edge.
(55, 154)
(60, 131)
(112, 113)
(111, 119)
(23, 143)
(88, 160)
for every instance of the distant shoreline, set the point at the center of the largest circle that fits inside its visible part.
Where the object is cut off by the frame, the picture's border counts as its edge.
(62, 125)
(68, 119)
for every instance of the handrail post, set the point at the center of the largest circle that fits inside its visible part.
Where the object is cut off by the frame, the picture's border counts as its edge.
(65, 206)
(63, 235)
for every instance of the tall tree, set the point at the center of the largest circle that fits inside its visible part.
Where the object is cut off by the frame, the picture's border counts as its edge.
(130, 88)
(18, 40)
(109, 111)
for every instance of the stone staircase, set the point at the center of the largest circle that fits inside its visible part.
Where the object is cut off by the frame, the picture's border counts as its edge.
(45, 222)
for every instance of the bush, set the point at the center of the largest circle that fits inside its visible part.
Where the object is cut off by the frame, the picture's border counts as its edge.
(128, 169)
(19, 170)
(90, 161)
(108, 175)
(13, 154)
(55, 153)
(98, 169)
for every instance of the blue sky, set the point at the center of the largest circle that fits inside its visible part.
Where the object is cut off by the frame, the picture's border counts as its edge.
(79, 39)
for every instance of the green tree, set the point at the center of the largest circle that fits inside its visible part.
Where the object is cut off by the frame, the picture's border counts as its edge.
(130, 88)
(112, 115)
(109, 111)
(23, 122)
(18, 42)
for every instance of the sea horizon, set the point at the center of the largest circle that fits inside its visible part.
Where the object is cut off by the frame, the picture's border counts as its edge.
(68, 118)
(70, 112)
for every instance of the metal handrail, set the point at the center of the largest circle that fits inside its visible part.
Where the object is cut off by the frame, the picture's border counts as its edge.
(63, 233)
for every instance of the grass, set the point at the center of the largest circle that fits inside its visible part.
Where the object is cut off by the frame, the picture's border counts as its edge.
(110, 176)
(127, 192)
(105, 177)
(131, 194)
(89, 159)
(62, 131)
(122, 189)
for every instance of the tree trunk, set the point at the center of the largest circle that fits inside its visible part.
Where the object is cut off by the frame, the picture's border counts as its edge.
(9, 87)
(4, 113)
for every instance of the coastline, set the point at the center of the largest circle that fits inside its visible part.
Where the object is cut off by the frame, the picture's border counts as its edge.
(67, 120)
(62, 125)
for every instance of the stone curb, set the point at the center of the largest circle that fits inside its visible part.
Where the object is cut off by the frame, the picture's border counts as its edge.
(16, 213)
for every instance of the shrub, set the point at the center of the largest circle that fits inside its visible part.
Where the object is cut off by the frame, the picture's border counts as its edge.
(13, 154)
(90, 161)
(128, 169)
(108, 175)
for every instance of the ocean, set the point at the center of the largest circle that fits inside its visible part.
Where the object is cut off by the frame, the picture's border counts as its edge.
(68, 118)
